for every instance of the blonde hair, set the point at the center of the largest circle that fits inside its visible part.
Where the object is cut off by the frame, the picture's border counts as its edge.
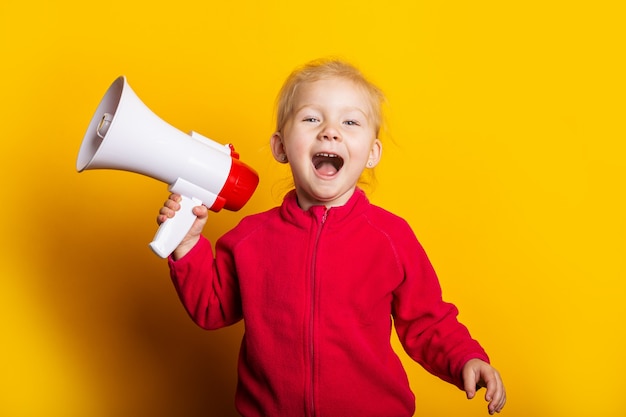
(322, 69)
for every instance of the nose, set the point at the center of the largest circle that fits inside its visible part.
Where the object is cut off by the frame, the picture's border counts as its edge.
(329, 132)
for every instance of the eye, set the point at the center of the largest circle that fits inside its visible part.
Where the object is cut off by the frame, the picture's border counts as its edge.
(310, 119)
(352, 122)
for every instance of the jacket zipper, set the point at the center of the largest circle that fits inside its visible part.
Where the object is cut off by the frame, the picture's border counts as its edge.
(312, 312)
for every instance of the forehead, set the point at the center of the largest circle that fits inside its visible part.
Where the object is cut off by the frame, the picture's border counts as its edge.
(332, 92)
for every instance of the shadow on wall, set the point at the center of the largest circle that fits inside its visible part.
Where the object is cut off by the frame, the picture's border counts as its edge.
(120, 316)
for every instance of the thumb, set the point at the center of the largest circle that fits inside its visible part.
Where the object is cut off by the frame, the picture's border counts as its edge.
(202, 214)
(470, 382)
(201, 211)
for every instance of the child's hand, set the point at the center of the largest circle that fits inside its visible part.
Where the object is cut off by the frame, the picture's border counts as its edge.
(168, 211)
(477, 374)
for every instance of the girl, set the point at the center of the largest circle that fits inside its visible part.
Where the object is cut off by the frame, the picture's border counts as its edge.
(320, 280)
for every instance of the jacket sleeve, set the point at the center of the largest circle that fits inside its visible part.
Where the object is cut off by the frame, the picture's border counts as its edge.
(207, 285)
(426, 325)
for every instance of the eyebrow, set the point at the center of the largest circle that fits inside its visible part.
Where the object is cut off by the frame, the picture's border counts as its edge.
(343, 110)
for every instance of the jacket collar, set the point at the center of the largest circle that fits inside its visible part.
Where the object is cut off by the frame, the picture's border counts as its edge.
(291, 211)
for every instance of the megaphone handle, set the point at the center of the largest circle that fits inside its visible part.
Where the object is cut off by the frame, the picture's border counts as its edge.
(174, 230)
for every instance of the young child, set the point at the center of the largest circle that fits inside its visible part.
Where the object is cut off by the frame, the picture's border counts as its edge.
(320, 280)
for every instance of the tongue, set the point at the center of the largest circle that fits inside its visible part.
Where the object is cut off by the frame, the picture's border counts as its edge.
(326, 168)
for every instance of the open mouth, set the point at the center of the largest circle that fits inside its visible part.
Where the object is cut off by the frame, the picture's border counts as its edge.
(327, 164)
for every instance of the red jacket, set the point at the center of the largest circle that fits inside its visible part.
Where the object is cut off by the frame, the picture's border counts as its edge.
(317, 290)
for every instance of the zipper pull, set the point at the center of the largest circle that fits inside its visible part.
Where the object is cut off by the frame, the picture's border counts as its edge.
(325, 215)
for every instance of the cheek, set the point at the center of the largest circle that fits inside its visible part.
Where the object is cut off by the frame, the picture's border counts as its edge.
(294, 144)
(361, 148)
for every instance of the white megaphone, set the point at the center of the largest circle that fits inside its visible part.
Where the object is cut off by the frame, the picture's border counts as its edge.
(125, 135)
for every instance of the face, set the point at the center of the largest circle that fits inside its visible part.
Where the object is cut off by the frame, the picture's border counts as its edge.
(328, 140)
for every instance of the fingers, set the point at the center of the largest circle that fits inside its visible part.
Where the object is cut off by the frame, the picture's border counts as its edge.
(169, 208)
(496, 394)
(172, 205)
(477, 374)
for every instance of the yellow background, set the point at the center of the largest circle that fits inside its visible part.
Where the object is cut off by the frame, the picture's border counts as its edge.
(505, 153)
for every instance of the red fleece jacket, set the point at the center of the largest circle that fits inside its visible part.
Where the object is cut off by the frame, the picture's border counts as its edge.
(317, 291)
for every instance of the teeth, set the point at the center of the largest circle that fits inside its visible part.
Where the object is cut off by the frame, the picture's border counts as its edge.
(331, 163)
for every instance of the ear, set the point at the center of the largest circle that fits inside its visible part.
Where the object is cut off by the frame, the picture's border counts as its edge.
(375, 153)
(278, 148)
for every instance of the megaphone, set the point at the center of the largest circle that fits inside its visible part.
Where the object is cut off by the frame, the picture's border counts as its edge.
(125, 135)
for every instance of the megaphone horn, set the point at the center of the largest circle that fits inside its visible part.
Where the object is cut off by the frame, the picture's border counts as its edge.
(126, 135)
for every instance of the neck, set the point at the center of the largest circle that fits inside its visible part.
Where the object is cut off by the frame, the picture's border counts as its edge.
(306, 201)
